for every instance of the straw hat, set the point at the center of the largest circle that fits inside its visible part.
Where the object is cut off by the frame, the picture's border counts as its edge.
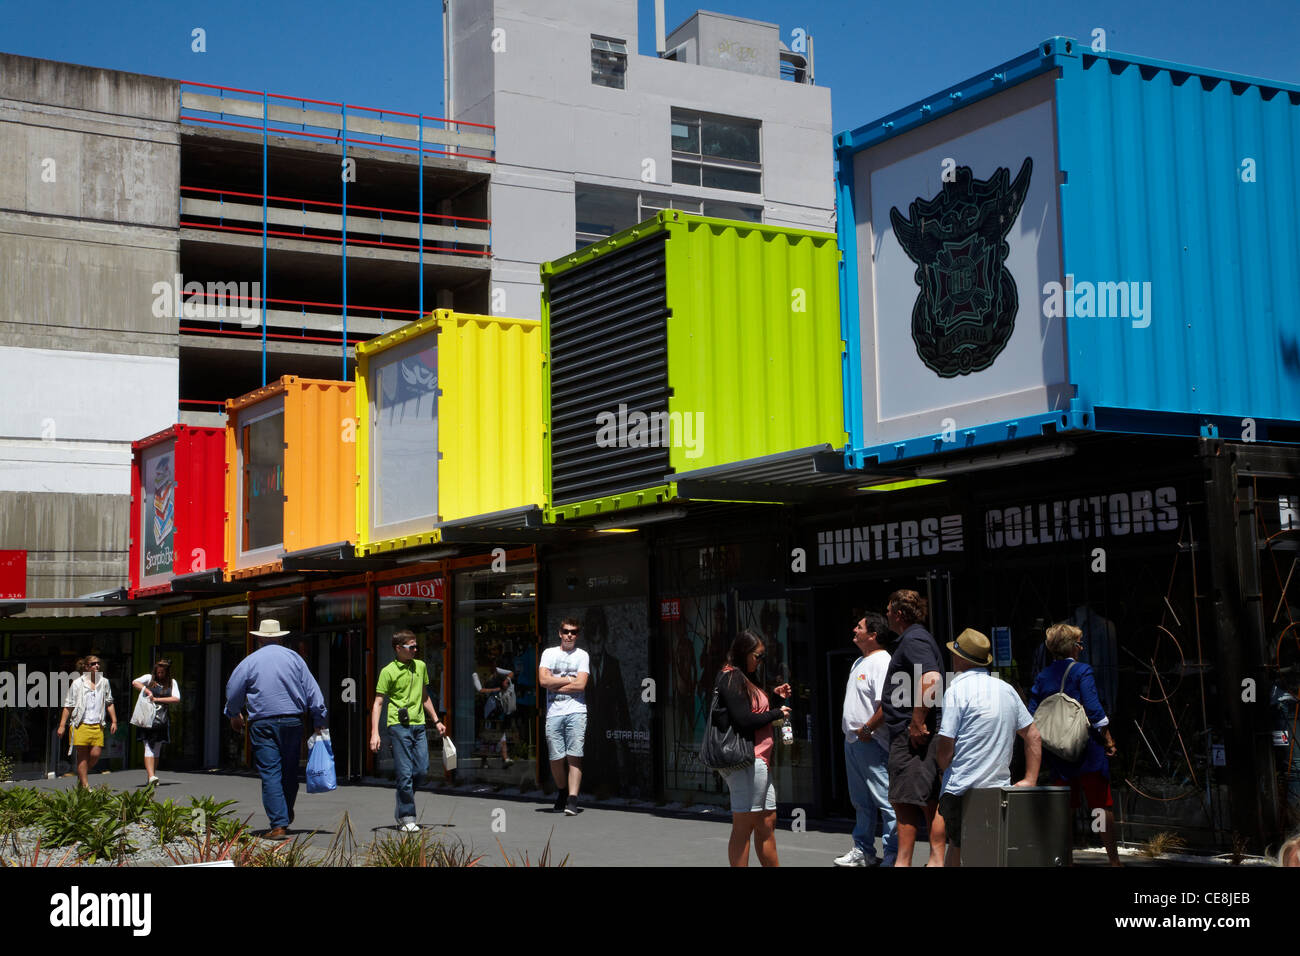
(269, 627)
(973, 646)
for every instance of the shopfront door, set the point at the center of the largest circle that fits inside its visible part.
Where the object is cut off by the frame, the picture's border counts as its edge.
(185, 749)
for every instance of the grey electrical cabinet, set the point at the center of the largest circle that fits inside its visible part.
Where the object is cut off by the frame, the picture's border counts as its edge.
(1016, 826)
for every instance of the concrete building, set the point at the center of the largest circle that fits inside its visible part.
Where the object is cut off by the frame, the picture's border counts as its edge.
(167, 245)
(593, 138)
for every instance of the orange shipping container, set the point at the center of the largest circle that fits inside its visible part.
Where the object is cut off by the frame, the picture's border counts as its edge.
(291, 472)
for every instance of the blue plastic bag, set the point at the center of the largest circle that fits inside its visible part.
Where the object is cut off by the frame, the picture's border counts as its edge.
(320, 768)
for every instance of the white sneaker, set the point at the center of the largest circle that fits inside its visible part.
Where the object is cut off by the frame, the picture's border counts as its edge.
(410, 826)
(854, 857)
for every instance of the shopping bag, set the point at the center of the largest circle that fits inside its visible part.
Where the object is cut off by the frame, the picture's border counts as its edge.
(145, 710)
(448, 755)
(320, 767)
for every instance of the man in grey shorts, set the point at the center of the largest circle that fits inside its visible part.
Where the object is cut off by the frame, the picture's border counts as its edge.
(563, 671)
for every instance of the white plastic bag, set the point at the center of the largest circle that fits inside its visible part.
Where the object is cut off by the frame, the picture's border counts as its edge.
(448, 754)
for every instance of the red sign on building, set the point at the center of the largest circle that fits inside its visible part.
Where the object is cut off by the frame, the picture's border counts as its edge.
(670, 609)
(13, 575)
(430, 590)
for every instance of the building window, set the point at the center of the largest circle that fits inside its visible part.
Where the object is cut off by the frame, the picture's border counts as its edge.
(608, 62)
(717, 152)
(602, 211)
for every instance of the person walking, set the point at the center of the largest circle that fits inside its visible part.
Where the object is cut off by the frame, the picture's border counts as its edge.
(1088, 776)
(911, 706)
(981, 717)
(866, 756)
(404, 685)
(748, 710)
(159, 689)
(88, 699)
(276, 687)
(563, 671)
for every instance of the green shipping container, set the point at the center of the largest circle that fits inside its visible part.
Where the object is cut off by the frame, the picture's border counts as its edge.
(681, 344)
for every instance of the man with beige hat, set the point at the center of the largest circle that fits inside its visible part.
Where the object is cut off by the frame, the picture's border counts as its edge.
(277, 688)
(982, 715)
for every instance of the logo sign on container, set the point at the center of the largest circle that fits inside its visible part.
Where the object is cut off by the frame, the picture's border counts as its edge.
(670, 609)
(13, 575)
(957, 234)
(1001, 647)
(890, 540)
(157, 512)
(432, 589)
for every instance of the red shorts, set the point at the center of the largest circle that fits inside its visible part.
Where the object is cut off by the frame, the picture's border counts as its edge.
(1095, 786)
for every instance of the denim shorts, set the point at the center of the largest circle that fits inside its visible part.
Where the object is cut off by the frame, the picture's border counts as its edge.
(751, 788)
(565, 734)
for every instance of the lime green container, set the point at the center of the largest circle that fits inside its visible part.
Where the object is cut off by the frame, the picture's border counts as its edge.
(681, 344)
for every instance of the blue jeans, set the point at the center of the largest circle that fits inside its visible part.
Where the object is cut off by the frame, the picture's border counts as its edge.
(411, 761)
(565, 735)
(867, 764)
(277, 742)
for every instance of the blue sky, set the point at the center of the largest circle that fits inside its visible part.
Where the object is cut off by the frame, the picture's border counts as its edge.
(876, 57)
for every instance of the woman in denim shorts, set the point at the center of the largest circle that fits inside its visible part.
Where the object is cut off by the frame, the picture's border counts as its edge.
(753, 797)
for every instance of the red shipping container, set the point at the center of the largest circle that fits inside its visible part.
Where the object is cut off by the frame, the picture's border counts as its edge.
(13, 575)
(178, 509)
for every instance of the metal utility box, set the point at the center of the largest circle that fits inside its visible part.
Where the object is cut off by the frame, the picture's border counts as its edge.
(1072, 241)
(291, 472)
(1016, 826)
(177, 505)
(682, 344)
(449, 411)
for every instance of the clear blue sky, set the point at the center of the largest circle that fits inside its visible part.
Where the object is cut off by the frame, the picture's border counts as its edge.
(875, 57)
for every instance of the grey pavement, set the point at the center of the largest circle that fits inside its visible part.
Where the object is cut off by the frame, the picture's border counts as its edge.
(597, 836)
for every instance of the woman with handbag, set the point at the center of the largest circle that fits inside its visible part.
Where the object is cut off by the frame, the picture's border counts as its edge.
(157, 690)
(741, 705)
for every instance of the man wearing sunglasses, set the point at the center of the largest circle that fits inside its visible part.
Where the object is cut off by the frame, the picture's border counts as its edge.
(563, 671)
(404, 684)
(88, 700)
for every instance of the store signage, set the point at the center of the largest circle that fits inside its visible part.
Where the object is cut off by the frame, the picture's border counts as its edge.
(670, 609)
(13, 575)
(890, 541)
(157, 512)
(1083, 518)
(1002, 647)
(432, 589)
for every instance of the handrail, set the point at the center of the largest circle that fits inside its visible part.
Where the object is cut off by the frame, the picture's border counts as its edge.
(203, 299)
(363, 242)
(321, 202)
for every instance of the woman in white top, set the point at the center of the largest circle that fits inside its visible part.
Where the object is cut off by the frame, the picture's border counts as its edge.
(159, 688)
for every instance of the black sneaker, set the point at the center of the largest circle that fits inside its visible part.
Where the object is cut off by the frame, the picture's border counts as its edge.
(560, 799)
(571, 806)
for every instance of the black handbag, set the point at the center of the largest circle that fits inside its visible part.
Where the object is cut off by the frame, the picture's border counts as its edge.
(160, 714)
(724, 749)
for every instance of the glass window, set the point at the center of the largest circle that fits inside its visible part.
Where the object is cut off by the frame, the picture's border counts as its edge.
(718, 152)
(686, 133)
(262, 443)
(404, 416)
(729, 139)
(601, 212)
(687, 174)
(608, 62)
(717, 177)
(416, 606)
(731, 210)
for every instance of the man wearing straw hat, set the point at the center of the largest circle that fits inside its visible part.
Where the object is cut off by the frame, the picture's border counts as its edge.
(277, 688)
(981, 717)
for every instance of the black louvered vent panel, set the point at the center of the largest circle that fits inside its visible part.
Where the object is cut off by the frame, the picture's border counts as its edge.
(609, 347)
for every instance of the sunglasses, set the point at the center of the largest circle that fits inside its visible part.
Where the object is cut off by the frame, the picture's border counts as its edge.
(568, 630)
(410, 647)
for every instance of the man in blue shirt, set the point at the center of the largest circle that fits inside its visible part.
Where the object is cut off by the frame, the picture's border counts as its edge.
(276, 687)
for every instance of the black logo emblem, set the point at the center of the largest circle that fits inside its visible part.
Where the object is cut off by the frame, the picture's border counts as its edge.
(966, 311)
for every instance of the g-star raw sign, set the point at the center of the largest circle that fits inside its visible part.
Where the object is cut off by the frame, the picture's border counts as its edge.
(889, 540)
(1083, 518)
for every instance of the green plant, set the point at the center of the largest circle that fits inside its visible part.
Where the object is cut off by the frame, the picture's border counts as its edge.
(1163, 843)
(132, 806)
(232, 843)
(105, 837)
(209, 811)
(290, 853)
(6, 767)
(24, 802)
(522, 859)
(421, 850)
(229, 829)
(171, 820)
(343, 847)
(68, 859)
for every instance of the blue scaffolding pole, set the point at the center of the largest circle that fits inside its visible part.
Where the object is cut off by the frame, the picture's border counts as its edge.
(344, 176)
(265, 116)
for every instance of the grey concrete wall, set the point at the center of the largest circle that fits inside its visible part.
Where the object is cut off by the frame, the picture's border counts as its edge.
(731, 43)
(88, 227)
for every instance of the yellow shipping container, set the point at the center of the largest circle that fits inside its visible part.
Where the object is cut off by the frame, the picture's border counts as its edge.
(449, 410)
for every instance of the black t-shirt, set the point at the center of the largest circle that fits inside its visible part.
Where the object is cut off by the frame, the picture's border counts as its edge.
(917, 653)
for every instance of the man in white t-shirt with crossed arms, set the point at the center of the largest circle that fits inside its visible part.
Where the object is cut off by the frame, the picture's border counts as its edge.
(563, 671)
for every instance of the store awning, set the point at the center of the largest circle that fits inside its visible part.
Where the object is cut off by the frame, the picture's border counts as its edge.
(805, 474)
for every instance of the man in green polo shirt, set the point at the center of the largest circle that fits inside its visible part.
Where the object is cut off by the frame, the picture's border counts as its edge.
(404, 684)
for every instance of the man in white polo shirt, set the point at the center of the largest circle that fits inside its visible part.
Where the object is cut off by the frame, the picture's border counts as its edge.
(564, 671)
(981, 717)
(866, 756)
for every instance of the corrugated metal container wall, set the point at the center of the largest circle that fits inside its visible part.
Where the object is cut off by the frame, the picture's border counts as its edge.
(177, 505)
(729, 330)
(313, 468)
(476, 451)
(1192, 187)
(1166, 306)
(753, 339)
(490, 415)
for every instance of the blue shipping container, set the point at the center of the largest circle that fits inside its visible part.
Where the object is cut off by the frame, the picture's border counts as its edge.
(1073, 240)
